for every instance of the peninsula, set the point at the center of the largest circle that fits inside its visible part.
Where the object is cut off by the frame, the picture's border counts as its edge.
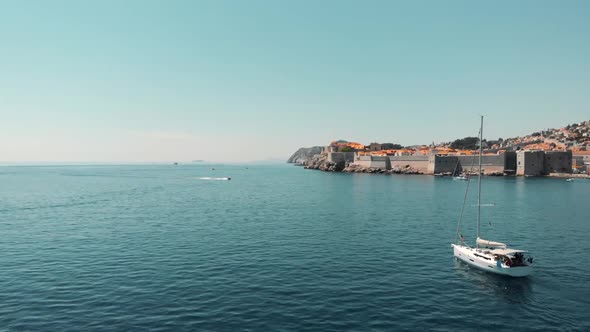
(552, 152)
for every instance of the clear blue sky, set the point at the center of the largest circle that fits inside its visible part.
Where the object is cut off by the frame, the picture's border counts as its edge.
(117, 81)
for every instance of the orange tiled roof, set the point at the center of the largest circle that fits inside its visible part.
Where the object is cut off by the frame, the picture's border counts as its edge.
(354, 145)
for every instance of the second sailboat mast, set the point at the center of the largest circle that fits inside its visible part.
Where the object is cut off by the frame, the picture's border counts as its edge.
(479, 180)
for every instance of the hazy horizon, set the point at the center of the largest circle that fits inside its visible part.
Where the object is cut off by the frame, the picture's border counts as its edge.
(238, 82)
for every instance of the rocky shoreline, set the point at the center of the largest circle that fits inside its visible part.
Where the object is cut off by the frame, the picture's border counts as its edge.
(321, 163)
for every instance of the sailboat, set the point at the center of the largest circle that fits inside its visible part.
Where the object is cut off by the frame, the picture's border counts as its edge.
(460, 176)
(487, 255)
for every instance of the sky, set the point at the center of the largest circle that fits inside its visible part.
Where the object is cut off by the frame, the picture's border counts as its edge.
(237, 81)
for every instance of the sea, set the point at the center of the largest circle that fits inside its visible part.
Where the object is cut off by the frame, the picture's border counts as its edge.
(282, 248)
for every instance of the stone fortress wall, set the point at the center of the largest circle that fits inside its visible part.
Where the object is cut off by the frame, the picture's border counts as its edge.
(530, 163)
(419, 163)
(337, 157)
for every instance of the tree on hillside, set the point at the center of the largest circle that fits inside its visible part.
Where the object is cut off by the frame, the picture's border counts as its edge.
(467, 143)
(391, 146)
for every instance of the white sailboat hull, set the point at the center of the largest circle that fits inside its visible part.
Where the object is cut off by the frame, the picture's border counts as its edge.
(479, 259)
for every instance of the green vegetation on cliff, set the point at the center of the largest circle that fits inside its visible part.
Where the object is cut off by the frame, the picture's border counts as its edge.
(467, 143)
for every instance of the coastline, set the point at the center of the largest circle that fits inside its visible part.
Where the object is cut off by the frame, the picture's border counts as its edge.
(413, 172)
(323, 162)
(568, 175)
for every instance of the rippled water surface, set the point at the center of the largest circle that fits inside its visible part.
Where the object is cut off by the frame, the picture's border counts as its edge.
(169, 248)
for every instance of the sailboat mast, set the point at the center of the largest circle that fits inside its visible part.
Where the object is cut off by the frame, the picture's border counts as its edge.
(479, 180)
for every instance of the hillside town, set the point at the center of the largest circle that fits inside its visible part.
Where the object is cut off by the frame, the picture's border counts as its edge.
(560, 151)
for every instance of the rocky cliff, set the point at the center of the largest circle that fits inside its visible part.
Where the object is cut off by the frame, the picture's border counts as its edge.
(321, 162)
(304, 154)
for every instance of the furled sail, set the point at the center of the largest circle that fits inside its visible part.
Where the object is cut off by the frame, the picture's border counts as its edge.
(490, 244)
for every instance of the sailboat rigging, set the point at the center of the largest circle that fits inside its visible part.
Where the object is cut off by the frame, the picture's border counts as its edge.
(488, 255)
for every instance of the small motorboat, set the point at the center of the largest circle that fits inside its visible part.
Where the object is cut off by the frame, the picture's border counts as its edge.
(216, 179)
(569, 180)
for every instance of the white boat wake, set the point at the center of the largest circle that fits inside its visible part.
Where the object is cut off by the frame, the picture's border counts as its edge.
(216, 179)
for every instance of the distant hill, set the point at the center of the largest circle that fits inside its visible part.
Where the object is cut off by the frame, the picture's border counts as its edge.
(573, 136)
(304, 154)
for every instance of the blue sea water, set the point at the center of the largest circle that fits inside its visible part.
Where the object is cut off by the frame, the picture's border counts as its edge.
(280, 248)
